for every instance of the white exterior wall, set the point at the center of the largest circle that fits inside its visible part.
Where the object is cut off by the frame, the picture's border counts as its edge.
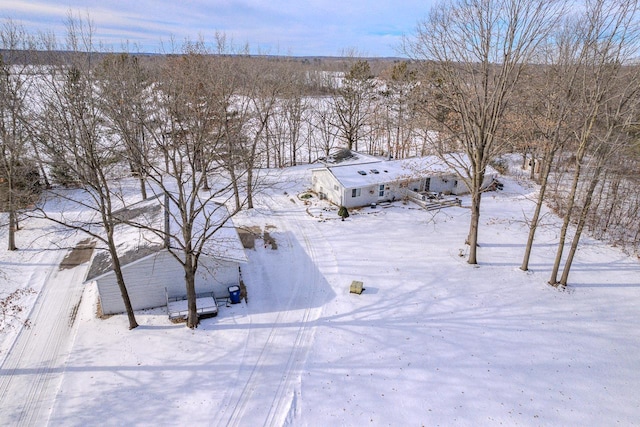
(324, 182)
(462, 188)
(147, 279)
(367, 196)
(444, 184)
(371, 193)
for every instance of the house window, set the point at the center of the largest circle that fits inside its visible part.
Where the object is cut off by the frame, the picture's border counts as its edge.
(355, 192)
(427, 184)
(335, 187)
(381, 191)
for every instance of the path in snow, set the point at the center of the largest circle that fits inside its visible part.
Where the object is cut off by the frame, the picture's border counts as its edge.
(33, 369)
(269, 381)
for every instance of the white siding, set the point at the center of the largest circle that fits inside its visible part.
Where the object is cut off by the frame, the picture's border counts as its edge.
(147, 279)
(462, 188)
(443, 184)
(367, 196)
(324, 182)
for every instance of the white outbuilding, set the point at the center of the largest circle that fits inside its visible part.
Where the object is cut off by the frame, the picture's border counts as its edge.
(151, 272)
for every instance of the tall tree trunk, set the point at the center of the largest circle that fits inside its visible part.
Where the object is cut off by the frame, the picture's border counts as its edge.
(249, 189)
(11, 244)
(143, 187)
(553, 280)
(581, 222)
(611, 202)
(117, 269)
(544, 177)
(476, 197)
(190, 282)
(43, 173)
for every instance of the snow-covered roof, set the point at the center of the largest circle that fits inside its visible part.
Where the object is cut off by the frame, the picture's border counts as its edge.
(135, 242)
(383, 171)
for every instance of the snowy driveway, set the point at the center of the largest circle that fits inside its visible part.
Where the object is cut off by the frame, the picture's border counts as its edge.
(269, 384)
(32, 371)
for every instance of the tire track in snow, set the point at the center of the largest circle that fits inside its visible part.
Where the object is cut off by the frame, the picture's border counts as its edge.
(251, 406)
(285, 400)
(32, 371)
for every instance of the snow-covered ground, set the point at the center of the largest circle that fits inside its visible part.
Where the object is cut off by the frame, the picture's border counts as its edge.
(431, 340)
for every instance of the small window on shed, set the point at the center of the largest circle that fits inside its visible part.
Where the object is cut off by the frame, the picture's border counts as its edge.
(362, 172)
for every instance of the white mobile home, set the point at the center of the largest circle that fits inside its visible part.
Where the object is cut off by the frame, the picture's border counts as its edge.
(151, 273)
(365, 183)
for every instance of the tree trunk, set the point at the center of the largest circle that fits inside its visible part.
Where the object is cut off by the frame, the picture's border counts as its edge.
(249, 188)
(612, 201)
(39, 161)
(190, 283)
(544, 176)
(553, 280)
(581, 222)
(12, 227)
(532, 172)
(235, 186)
(143, 187)
(121, 284)
(476, 197)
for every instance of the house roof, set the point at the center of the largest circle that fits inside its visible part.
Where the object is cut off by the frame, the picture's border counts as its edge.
(141, 236)
(384, 171)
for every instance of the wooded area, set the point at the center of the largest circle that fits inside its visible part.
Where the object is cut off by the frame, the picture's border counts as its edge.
(202, 123)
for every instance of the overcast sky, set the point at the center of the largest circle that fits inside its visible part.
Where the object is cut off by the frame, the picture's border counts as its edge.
(286, 27)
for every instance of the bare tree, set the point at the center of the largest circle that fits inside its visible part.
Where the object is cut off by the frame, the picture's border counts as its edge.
(124, 85)
(608, 100)
(477, 51)
(294, 110)
(192, 134)
(322, 120)
(554, 85)
(352, 103)
(71, 126)
(18, 174)
(400, 82)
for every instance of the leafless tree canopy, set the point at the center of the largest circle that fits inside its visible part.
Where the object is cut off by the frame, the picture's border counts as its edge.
(202, 124)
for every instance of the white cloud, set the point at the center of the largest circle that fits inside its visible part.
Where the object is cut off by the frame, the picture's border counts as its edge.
(316, 27)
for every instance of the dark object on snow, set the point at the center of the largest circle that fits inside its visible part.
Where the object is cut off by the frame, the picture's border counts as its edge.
(495, 185)
(343, 212)
(234, 294)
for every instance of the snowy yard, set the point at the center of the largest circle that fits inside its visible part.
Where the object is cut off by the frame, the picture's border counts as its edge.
(431, 340)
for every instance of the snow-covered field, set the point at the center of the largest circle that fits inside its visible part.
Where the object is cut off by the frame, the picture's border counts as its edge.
(431, 340)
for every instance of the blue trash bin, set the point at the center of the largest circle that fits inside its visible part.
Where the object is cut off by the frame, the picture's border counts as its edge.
(234, 294)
